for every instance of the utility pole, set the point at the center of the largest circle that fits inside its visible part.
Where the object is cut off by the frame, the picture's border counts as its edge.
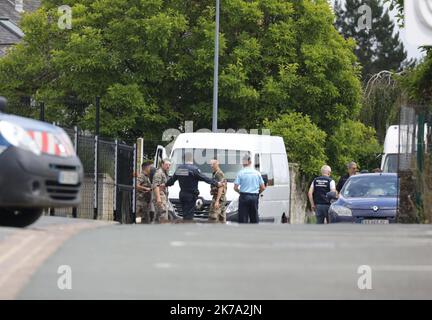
(216, 70)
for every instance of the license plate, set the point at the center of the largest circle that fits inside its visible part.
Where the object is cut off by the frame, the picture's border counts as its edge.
(375, 221)
(68, 177)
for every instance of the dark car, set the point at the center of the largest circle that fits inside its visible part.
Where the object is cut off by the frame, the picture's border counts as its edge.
(367, 198)
(38, 169)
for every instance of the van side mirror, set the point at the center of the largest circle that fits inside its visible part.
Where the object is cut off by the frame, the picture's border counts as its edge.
(265, 178)
(3, 104)
(331, 195)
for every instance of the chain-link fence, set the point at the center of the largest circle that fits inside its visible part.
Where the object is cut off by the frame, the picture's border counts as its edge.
(414, 164)
(107, 191)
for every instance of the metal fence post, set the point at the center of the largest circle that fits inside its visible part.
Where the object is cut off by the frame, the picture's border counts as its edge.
(135, 154)
(96, 180)
(97, 115)
(116, 181)
(74, 209)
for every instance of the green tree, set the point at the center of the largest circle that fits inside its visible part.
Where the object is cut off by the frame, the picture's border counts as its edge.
(304, 141)
(353, 141)
(378, 48)
(381, 103)
(276, 56)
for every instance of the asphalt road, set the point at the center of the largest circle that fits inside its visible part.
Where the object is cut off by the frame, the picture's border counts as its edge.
(203, 261)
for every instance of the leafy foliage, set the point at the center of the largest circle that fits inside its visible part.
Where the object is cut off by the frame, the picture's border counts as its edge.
(151, 62)
(381, 102)
(352, 140)
(304, 141)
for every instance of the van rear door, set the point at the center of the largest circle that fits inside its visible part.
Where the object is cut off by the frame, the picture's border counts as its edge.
(159, 156)
(274, 201)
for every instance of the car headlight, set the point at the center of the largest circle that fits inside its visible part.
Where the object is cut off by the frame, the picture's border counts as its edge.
(232, 207)
(341, 210)
(66, 147)
(18, 137)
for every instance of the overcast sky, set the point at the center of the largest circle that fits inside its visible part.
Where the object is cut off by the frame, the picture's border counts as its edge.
(413, 52)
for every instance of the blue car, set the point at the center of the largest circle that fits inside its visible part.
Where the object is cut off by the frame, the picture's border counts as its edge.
(368, 199)
(38, 169)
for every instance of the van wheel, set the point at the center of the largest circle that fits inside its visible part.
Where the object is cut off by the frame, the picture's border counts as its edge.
(19, 218)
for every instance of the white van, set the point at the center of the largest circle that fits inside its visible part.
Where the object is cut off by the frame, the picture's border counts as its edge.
(268, 156)
(399, 155)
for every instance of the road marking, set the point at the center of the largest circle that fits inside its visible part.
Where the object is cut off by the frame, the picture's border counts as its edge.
(407, 268)
(241, 245)
(27, 249)
(21, 263)
(177, 243)
(15, 249)
(163, 265)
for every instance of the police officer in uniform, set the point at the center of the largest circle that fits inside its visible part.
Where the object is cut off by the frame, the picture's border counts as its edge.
(318, 194)
(188, 176)
(144, 190)
(160, 195)
(249, 184)
(217, 208)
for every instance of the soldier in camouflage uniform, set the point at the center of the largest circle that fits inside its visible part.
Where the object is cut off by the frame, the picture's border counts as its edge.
(144, 194)
(217, 211)
(160, 197)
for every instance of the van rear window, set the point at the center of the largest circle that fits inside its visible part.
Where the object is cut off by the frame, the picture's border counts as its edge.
(230, 160)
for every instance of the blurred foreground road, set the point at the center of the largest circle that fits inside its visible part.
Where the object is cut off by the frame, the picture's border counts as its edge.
(202, 261)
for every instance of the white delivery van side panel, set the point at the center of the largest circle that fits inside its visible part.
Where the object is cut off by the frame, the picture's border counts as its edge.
(275, 200)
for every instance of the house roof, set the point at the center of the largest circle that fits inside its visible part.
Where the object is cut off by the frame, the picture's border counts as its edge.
(7, 10)
(10, 33)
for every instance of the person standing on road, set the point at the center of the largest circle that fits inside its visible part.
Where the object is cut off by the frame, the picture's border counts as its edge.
(318, 194)
(217, 208)
(188, 176)
(249, 183)
(160, 197)
(144, 190)
(352, 170)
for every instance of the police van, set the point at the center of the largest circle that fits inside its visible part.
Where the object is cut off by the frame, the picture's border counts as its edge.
(38, 169)
(268, 157)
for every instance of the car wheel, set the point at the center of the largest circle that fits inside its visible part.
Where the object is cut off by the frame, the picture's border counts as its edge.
(19, 218)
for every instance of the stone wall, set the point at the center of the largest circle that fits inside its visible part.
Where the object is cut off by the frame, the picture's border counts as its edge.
(298, 197)
(106, 199)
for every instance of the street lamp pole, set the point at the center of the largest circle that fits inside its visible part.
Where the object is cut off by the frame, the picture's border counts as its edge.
(216, 70)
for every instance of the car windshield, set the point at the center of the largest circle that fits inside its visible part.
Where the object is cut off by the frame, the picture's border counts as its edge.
(229, 161)
(371, 186)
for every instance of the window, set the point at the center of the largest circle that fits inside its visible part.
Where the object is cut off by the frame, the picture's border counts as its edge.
(11, 27)
(257, 161)
(391, 163)
(371, 187)
(230, 161)
(266, 167)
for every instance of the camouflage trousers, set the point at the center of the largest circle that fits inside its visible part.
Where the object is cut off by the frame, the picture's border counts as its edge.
(161, 211)
(144, 211)
(217, 214)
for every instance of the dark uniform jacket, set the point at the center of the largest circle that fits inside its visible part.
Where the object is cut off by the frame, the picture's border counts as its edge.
(188, 176)
(321, 188)
(342, 182)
